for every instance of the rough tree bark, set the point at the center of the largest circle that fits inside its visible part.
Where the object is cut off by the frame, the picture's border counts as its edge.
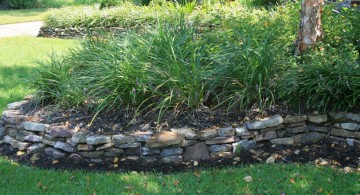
(310, 30)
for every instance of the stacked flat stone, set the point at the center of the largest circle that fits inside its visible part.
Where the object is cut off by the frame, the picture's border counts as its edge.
(69, 33)
(179, 144)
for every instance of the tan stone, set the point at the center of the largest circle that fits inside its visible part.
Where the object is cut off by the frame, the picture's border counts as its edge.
(164, 139)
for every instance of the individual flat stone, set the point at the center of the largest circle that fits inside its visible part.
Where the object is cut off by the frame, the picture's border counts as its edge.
(170, 159)
(186, 143)
(276, 128)
(298, 124)
(131, 145)
(294, 130)
(266, 136)
(149, 159)
(32, 126)
(197, 152)
(69, 141)
(98, 139)
(295, 119)
(318, 118)
(52, 138)
(324, 129)
(220, 154)
(16, 105)
(94, 154)
(220, 148)
(104, 146)
(242, 131)
(171, 152)
(2, 132)
(35, 148)
(282, 141)
(149, 151)
(48, 142)
(281, 133)
(75, 158)
(186, 131)
(226, 132)
(164, 139)
(345, 133)
(12, 132)
(19, 135)
(208, 134)
(337, 115)
(265, 123)
(123, 139)
(141, 136)
(244, 145)
(354, 117)
(85, 147)
(348, 126)
(308, 138)
(132, 151)
(110, 152)
(20, 145)
(62, 131)
(222, 140)
(54, 153)
(33, 138)
(8, 139)
(80, 137)
(64, 146)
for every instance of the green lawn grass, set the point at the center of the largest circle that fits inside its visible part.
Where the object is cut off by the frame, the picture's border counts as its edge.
(17, 63)
(17, 16)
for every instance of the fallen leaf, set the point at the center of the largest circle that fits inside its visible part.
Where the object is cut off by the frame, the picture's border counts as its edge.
(87, 178)
(115, 160)
(116, 165)
(34, 157)
(197, 173)
(20, 153)
(248, 179)
(55, 162)
(319, 190)
(90, 165)
(179, 190)
(39, 184)
(129, 188)
(292, 180)
(270, 160)
(176, 183)
(196, 163)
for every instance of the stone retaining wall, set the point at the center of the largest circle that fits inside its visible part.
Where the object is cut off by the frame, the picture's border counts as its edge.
(179, 144)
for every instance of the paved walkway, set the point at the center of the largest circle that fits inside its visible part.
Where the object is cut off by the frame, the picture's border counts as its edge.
(20, 29)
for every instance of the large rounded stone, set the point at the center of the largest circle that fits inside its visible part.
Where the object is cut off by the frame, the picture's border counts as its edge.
(267, 122)
(164, 139)
(197, 152)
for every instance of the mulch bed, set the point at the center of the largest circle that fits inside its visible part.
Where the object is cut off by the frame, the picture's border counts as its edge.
(324, 153)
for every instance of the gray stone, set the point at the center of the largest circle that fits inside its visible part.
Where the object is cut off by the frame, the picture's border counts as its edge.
(337, 115)
(171, 152)
(220, 148)
(281, 133)
(33, 138)
(164, 139)
(131, 145)
(207, 134)
(198, 151)
(62, 131)
(149, 151)
(48, 142)
(298, 124)
(16, 105)
(222, 140)
(186, 143)
(2, 133)
(318, 118)
(132, 151)
(149, 159)
(110, 152)
(133, 158)
(35, 148)
(350, 142)
(98, 139)
(170, 159)
(80, 137)
(353, 116)
(102, 147)
(7, 139)
(345, 133)
(348, 126)
(20, 145)
(123, 139)
(242, 131)
(142, 136)
(226, 132)
(319, 128)
(31, 126)
(276, 128)
(294, 130)
(266, 136)
(282, 141)
(308, 138)
(265, 123)
(85, 147)
(12, 132)
(76, 158)
(94, 154)
(19, 135)
(52, 138)
(186, 131)
(244, 145)
(295, 119)
(64, 146)
(54, 153)
(69, 141)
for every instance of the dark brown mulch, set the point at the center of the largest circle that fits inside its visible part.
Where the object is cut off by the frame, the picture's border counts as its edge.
(324, 153)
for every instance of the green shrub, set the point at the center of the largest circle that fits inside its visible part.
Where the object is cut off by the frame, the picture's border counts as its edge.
(23, 4)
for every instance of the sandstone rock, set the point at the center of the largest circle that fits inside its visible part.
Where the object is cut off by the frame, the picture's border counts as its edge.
(54, 153)
(98, 139)
(198, 151)
(20, 145)
(171, 152)
(276, 128)
(243, 145)
(319, 128)
(337, 115)
(298, 124)
(123, 139)
(226, 132)
(308, 138)
(318, 118)
(348, 126)
(170, 159)
(94, 154)
(345, 133)
(110, 152)
(33, 138)
(186, 131)
(164, 139)
(75, 158)
(265, 123)
(354, 117)
(84, 147)
(64, 146)
(149, 151)
(80, 137)
(16, 105)
(102, 147)
(186, 143)
(131, 145)
(222, 140)
(220, 148)
(35, 148)
(141, 136)
(32, 126)
(207, 134)
(62, 131)
(282, 141)
(295, 119)
(220, 154)
(242, 131)
(266, 136)
(294, 130)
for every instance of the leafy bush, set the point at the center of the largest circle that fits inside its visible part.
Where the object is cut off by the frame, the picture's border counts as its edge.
(23, 4)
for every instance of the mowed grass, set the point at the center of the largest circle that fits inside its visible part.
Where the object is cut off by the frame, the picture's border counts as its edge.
(17, 16)
(17, 63)
(267, 179)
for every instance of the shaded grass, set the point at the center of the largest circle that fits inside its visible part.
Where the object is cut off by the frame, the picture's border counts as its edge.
(17, 63)
(17, 16)
(267, 179)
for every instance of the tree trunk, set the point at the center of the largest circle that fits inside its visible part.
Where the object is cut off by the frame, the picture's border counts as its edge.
(310, 30)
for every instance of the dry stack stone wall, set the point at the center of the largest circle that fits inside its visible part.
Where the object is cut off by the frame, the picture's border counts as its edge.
(179, 144)
(77, 32)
